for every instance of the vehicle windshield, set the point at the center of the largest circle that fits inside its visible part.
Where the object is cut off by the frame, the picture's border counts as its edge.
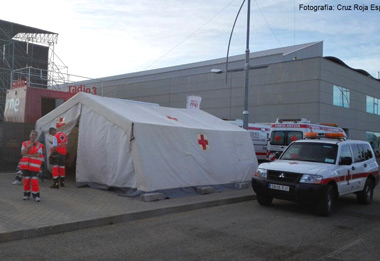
(313, 152)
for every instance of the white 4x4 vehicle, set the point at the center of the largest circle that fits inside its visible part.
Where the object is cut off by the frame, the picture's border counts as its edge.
(319, 171)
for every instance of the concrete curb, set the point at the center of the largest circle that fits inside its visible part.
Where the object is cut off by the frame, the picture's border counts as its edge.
(90, 223)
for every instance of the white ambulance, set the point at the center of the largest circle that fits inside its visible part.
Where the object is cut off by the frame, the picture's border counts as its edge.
(285, 131)
(259, 134)
(319, 171)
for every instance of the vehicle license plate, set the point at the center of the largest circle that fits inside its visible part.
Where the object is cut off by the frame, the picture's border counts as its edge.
(279, 187)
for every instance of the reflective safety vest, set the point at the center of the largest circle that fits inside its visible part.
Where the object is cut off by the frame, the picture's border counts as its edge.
(61, 143)
(29, 162)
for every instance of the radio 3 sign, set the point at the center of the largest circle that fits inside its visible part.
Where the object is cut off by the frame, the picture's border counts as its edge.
(82, 88)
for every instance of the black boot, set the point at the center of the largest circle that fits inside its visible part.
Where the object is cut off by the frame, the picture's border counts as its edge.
(62, 181)
(55, 184)
(36, 197)
(26, 195)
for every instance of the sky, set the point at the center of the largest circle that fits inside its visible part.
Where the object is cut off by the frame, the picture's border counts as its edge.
(100, 38)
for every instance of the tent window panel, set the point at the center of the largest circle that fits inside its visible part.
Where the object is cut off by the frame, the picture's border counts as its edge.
(243, 152)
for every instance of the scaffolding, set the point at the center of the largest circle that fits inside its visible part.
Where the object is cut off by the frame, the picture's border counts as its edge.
(27, 58)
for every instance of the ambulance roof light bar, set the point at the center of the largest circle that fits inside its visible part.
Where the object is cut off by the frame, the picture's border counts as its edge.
(301, 120)
(329, 135)
(330, 124)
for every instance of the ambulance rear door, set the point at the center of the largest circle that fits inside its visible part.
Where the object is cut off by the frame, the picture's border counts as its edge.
(281, 138)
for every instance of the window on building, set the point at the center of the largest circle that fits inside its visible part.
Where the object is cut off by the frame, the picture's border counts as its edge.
(374, 140)
(341, 96)
(372, 105)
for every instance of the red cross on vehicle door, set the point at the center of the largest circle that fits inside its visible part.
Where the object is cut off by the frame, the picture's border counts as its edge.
(350, 175)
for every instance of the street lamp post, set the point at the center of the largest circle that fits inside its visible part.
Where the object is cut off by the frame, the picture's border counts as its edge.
(246, 66)
(246, 70)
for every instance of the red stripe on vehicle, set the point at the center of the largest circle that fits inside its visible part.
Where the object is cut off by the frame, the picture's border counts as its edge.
(257, 128)
(261, 153)
(351, 177)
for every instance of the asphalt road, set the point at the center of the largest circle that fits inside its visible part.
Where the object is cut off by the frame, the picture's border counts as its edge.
(241, 231)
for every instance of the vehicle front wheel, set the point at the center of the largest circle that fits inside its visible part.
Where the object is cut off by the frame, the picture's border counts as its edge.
(264, 200)
(326, 205)
(365, 196)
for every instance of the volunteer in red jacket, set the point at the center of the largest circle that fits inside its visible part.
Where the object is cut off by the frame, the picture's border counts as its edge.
(30, 164)
(58, 156)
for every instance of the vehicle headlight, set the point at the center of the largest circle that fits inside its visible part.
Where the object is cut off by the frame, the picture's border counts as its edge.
(262, 173)
(315, 179)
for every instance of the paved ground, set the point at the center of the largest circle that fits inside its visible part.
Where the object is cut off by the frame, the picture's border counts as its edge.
(71, 208)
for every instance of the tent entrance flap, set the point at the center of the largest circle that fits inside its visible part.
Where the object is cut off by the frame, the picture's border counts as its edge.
(72, 147)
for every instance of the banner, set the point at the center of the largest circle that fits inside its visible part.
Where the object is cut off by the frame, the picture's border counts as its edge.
(193, 102)
(15, 105)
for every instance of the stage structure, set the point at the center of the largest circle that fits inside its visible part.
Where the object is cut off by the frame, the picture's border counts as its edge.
(29, 68)
(27, 59)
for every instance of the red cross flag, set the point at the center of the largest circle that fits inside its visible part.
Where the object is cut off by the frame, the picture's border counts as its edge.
(193, 102)
(203, 142)
(60, 123)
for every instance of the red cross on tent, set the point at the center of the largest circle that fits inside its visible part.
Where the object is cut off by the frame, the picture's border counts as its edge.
(202, 141)
(172, 118)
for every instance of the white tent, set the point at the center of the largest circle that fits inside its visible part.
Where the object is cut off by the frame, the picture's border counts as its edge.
(122, 144)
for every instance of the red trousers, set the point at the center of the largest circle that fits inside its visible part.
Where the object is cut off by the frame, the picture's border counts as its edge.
(31, 181)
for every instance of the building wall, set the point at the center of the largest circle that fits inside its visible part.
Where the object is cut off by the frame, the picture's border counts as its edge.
(171, 88)
(355, 118)
(287, 90)
(282, 87)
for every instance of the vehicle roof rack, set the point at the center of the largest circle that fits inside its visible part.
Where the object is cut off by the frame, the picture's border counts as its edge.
(299, 120)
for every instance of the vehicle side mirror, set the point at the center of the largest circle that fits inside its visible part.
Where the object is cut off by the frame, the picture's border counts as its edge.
(278, 154)
(345, 161)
